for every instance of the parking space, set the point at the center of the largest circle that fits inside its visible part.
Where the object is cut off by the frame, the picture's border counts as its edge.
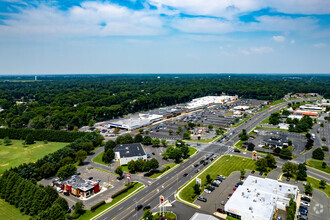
(156, 152)
(162, 131)
(324, 132)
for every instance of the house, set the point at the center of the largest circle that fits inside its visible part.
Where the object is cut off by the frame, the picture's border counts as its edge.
(127, 152)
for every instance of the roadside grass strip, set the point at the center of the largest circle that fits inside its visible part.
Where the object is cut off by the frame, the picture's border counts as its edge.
(317, 164)
(116, 201)
(223, 165)
(316, 185)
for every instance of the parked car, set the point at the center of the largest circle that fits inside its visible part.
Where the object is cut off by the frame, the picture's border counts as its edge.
(306, 198)
(120, 177)
(146, 207)
(207, 191)
(279, 218)
(302, 217)
(196, 171)
(253, 171)
(304, 204)
(229, 196)
(196, 165)
(186, 174)
(221, 210)
(138, 207)
(221, 177)
(211, 188)
(90, 178)
(237, 150)
(288, 179)
(205, 163)
(215, 184)
(201, 162)
(234, 188)
(201, 198)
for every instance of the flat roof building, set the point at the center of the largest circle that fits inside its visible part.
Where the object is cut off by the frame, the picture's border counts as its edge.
(127, 152)
(205, 101)
(258, 198)
(136, 122)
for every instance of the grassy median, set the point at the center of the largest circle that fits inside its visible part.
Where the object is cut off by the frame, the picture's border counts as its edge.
(317, 164)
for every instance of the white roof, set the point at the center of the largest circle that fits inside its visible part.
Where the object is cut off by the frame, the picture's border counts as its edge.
(206, 100)
(259, 196)
(200, 216)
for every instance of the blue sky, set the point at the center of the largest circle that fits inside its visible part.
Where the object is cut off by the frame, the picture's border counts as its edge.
(164, 36)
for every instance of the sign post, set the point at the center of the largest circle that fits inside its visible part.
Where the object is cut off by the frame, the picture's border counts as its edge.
(128, 176)
(254, 155)
(161, 200)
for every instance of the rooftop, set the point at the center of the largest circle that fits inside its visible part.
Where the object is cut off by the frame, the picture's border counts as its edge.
(130, 150)
(78, 183)
(201, 216)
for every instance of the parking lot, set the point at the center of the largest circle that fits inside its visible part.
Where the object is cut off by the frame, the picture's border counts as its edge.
(161, 131)
(219, 196)
(325, 133)
(156, 152)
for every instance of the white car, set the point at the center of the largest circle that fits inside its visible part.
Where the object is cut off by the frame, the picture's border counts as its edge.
(217, 181)
(207, 191)
(304, 203)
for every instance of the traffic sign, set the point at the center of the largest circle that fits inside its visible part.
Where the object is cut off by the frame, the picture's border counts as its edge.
(161, 198)
(128, 176)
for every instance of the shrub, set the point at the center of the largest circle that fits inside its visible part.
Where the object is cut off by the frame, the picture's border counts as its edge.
(318, 154)
(325, 148)
(94, 207)
(123, 190)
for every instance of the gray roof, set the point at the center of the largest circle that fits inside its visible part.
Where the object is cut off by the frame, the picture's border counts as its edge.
(130, 150)
(201, 216)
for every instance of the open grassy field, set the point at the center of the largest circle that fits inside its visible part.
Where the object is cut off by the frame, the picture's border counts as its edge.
(316, 185)
(317, 164)
(224, 166)
(17, 153)
(98, 159)
(88, 214)
(9, 212)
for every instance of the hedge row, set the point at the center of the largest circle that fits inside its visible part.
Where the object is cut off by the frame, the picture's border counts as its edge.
(41, 134)
(94, 207)
(123, 190)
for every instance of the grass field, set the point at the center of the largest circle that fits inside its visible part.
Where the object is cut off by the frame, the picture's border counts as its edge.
(16, 153)
(9, 212)
(273, 103)
(315, 183)
(98, 159)
(317, 164)
(192, 150)
(88, 214)
(171, 165)
(224, 166)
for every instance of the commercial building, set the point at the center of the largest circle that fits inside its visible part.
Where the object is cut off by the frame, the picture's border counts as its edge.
(205, 101)
(241, 107)
(134, 122)
(127, 152)
(313, 114)
(202, 216)
(79, 187)
(258, 198)
(309, 107)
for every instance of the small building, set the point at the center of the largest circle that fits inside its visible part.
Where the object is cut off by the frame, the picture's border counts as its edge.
(127, 152)
(258, 198)
(79, 187)
(202, 216)
(313, 114)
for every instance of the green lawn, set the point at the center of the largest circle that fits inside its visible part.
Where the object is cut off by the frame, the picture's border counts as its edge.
(98, 159)
(224, 166)
(317, 164)
(16, 154)
(171, 165)
(10, 212)
(315, 183)
(273, 103)
(265, 121)
(275, 129)
(88, 214)
(192, 150)
(239, 144)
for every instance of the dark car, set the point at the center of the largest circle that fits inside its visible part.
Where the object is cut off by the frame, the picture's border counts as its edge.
(186, 174)
(237, 150)
(146, 207)
(288, 179)
(253, 171)
(211, 188)
(205, 163)
(90, 178)
(221, 210)
(138, 207)
(201, 198)
(215, 184)
(196, 171)
(260, 173)
(196, 165)
(201, 162)
(120, 177)
(305, 198)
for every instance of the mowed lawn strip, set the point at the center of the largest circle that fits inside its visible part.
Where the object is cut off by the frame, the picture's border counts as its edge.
(15, 154)
(317, 164)
(89, 214)
(98, 159)
(10, 212)
(224, 166)
(316, 185)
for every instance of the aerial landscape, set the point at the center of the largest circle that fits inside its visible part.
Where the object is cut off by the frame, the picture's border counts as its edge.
(164, 109)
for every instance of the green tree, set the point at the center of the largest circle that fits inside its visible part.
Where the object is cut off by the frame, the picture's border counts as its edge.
(197, 189)
(323, 184)
(275, 118)
(88, 146)
(108, 156)
(308, 188)
(210, 127)
(66, 171)
(6, 141)
(208, 178)
(62, 203)
(91, 123)
(271, 162)
(147, 215)
(318, 154)
(244, 136)
(110, 144)
(186, 135)
(147, 140)
(47, 169)
(119, 171)
(289, 169)
(177, 155)
(29, 139)
(286, 153)
(163, 141)
(155, 142)
(141, 131)
(301, 173)
(131, 166)
(81, 156)
(170, 132)
(78, 208)
(262, 164)
(324, 165)
(185, 151)
(242, 173)
(138, 138)
(154, 164)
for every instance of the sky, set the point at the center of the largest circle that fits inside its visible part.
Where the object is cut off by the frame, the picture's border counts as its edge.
(164, 36)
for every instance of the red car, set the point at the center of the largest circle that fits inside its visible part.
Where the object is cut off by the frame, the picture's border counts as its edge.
(229, 195)
(186, 174)
(234, 188)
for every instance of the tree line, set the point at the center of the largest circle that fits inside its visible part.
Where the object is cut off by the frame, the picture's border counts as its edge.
(68, 102)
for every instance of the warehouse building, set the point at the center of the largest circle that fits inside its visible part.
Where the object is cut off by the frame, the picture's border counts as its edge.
(127, 152)
(136, 122)
(258, 198)
(206, 101)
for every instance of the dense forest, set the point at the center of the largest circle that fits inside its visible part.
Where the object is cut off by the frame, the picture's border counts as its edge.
(66, 101)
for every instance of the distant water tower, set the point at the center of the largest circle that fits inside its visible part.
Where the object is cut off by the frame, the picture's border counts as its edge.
(35, 78)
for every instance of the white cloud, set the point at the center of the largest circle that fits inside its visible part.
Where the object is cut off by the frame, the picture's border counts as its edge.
(257, 50)
(88, 19)
(320, 45)
(279, 38)
(292, 41)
